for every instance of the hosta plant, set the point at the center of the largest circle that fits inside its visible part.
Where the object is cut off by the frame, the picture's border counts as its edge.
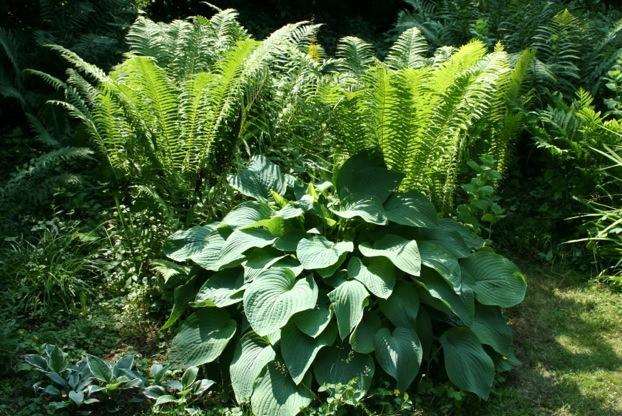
(171, 393)
(82, 383)
(310, 285)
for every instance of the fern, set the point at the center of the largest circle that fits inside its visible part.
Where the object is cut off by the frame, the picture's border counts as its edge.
(408, 50)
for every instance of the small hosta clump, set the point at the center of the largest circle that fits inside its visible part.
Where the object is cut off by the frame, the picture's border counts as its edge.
(314, 285)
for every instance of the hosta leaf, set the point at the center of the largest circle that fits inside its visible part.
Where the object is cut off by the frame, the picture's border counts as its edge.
(411, 209)
(277, 395)
(289, 241)
(299, 350)
(274, 296)
(362, 338)
(316, 252)
(246, 214)
(183, 244)
(341, 365)
(453, 237)
(251, 356)
(364, 176)
(331, 270)
(491, 328)
(348, 301)
(467, 364)
(403, 305)
(494, 279)
(312, 322)
(202, 338)
(444, 298)
(399, 354)
(370, 210)
(403, 253)
(222, 289)
(241, 240)
(376, 273)
(208, 257)
(259, 178)
(99, 368)
(435, 256)
(182, 295)
(259, 260)
(424, 331)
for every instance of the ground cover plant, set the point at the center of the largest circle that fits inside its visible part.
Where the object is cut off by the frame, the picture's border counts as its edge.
(269, 208)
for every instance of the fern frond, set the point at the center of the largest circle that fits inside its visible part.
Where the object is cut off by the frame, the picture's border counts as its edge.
(354, 55)
(408, 50)
(86, 68)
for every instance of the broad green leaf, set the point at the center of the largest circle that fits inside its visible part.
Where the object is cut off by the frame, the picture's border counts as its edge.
(424, 330)
(335, 365)
(56, 358)
(436, 257)
(376, 273)
(241, 240)
(274, 296)
(399, 354)
(299, 350)
(411, 209)
(259, 260)
(316, 252)
(277, 395)
(246, 214)
(370, 210)
(491, 329)
(182, 295)
(251, 356)
(403, 305)
(184, 244)
(362, 338)
(331, 270)
(364, 176)
(444, 298)
(467, 364)
(453, 237)
(208, 257)
(222, 289)
(202, 338)
(289, 241)
(259, 178)
(99, 368)
(312, 322)
(403, 253)
(348, 301)
(494, 279)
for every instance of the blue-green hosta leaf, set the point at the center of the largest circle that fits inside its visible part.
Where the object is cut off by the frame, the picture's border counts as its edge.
(259, 178)
(251, 356)
(289, 241)
(437, 257)
(467, 364)
(348, 300)
(199, 244)
(491, 329)
(370, 210)
(494, 279)
(453, 237)
(403, 305)
(246, 214)
(412, 209)
(443, 297)
(56, 358)
(222, 289)
(274, 296)
(312, 322)
(289, 262)
(423, 328)
(100, 369)
(376, 273)
(331, 270)
(362, 338)
(335, 365)
(399, 354)
(403, 253)
(299, 350)
(182, 295)
(316, 252)
(241, 240)
(364, 176)
(256, 261)
(277, 395)
(202, 338)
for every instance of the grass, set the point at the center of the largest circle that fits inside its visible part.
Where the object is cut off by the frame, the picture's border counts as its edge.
(569, 338)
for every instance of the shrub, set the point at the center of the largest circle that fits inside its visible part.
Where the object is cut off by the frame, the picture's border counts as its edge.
(326, 282)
